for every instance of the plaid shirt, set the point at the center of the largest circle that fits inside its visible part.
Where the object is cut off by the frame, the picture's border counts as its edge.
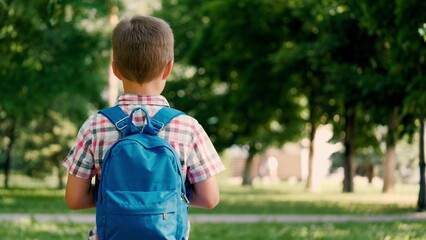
(196, 152)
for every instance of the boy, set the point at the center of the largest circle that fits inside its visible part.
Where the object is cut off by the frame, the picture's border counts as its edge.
(142, 59)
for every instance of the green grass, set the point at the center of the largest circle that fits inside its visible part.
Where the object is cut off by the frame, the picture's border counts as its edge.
(358, 231)
(33, 200)
(282, 198)
(43, 231)
(286, 199)
(261, 231)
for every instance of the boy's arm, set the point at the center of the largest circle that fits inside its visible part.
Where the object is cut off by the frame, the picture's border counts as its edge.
(79, 193)
(205, 194)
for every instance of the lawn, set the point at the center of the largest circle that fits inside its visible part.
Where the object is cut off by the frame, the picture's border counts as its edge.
(261, 231)
(282, 198)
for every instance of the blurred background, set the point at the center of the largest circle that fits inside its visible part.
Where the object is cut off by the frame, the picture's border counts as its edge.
(301, 91)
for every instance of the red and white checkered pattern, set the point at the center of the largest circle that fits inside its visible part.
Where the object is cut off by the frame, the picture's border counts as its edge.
(198, 156)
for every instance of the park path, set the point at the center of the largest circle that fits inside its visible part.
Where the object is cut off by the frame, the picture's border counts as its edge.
(228, 218)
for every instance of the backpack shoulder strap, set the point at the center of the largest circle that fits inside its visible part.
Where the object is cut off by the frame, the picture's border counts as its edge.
(166, 114)
(163, 117)
(118, 117)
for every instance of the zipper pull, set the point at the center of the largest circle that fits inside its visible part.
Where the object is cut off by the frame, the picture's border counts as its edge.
(183, 195)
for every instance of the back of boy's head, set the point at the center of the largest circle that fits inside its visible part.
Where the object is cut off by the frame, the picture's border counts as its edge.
(142, 47)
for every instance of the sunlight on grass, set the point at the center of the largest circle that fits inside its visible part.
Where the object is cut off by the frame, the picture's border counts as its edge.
(260, 231)
(7, 201)
(293, 198)
(28, 229)
(279, 198)
(275, 231)
(22, 181)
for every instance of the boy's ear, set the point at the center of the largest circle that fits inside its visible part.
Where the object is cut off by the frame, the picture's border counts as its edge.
(115, 71)
(167, 70)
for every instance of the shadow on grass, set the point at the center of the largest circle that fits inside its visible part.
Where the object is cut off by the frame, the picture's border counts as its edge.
(34, 200)
(279, 199)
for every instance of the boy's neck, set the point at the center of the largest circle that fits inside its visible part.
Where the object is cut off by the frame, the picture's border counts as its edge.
(152, 87)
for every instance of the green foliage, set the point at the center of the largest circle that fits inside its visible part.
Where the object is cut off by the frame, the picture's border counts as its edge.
(49, 48)
(53, 69)
(401, 51)
(231, 90)
(44, 143)
(255, 72)
(422, 31)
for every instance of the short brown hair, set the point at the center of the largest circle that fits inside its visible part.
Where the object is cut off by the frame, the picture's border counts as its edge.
(142, 47)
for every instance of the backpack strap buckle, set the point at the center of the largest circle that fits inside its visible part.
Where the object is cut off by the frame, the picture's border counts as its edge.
(122, 123)
(154, 125)
(157, 125)
(118, 117)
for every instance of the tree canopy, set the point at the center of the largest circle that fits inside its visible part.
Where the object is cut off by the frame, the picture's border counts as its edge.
(252, 67)
(54, 58)
(255, 73)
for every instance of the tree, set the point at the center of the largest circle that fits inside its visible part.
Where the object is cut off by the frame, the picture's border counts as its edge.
(322, 63)
(338, 62)
(233, 91)
(46, 140)
(50, 50)
(398, 67)
(421, 202)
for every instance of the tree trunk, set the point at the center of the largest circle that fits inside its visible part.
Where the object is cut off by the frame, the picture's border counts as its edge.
(247, 178)
(370, 173)
(60, 175)
(310, 180)
(10, 132)
(349, 143)
(390, 155)
(421, 203)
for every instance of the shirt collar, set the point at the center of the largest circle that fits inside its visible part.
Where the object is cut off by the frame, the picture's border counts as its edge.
(133, 99)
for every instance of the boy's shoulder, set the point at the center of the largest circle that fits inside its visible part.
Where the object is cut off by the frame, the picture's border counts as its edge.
(96, 120)
(186, 123)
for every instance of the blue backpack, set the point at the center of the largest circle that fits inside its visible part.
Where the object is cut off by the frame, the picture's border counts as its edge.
(141, 193)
